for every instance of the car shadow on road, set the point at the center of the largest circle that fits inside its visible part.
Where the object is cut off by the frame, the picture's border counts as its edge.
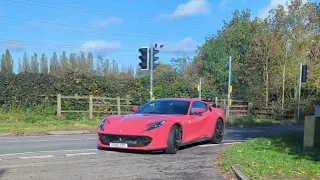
(156, 152)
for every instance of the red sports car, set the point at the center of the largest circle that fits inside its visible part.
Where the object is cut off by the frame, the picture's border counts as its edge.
(163, 124)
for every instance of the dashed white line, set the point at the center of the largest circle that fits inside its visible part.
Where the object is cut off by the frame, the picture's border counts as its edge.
(39, 140)
(36, 157)
(16, 154)
(71, 139)
(11, 141)
(69, 150)
(80, 154)
(47, 140)
(92, 138)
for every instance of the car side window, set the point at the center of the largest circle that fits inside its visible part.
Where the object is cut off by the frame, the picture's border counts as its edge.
(198, 105)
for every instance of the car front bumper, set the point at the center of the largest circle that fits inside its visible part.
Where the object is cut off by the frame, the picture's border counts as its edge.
(149, 141)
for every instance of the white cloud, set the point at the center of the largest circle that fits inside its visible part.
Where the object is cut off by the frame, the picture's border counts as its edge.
(100, 46)
(191, 8)
(14, 45)
(224, 4)
(263, 13)
(98, 24)
(186, 45)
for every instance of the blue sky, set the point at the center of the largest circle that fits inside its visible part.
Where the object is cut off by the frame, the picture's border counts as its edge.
(115, 29)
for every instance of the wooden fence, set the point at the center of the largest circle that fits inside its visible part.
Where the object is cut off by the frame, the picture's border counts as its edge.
(96, 102)
(120, 106)
(241, 108)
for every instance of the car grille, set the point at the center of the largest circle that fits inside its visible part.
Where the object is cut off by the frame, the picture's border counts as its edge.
(132, 141)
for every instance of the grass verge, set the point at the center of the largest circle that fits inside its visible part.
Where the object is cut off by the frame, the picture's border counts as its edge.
(258, 121)
(280, 156)
(40, 121)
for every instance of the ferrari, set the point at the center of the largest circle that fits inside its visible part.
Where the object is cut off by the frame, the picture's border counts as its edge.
(163, 125)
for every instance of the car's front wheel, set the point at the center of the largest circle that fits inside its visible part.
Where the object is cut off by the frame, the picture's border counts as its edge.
(218, 133)
(174, 140)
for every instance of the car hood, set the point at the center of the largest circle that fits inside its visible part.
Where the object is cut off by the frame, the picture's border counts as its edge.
(134, 123)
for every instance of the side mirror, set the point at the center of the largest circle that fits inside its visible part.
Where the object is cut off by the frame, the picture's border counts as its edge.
(199, 110)
(135, 108)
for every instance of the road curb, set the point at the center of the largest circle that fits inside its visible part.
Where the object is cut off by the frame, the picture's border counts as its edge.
(238, 173)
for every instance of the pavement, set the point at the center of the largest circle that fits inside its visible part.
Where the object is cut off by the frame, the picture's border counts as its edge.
(69, 157)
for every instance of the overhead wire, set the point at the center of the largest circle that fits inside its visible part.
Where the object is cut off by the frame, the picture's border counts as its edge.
(66, 46)
(94, 11)
(124, 33)
(77, 9)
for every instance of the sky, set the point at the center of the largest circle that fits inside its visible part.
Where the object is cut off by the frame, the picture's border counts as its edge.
(116, 29)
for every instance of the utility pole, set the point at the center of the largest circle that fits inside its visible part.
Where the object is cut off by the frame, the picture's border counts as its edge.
(229, 90)
(303, 77)
(151, 71)
(200, 88)
(299, 92)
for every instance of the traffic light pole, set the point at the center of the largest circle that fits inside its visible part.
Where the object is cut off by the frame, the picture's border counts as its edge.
(151, 71)
(299, 92)
(229, 90)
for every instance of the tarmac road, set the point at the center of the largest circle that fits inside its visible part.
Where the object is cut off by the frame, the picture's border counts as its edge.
(75, 157)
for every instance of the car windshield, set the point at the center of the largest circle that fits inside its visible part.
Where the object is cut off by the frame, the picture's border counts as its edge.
(165, 107)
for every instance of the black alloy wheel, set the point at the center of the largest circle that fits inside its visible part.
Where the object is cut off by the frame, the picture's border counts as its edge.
(218, 132)
(174, 140)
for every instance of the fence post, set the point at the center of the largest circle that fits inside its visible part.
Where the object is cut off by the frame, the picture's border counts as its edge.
(250, 110)
(59, 105)
(90, 106)
(127, 102)
(118, 105)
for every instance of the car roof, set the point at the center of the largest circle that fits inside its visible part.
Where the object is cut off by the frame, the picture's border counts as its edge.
(180, 99)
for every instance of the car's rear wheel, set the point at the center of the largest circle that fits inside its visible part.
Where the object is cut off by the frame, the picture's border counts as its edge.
(218, 132)
(174, 140)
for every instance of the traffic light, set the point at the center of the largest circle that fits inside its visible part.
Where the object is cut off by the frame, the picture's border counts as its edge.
(144, 64)
(154, 58)
(304, 74)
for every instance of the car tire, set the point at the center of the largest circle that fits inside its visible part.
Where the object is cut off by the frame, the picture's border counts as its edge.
(174, 140)
(218, 133)
(99, 148)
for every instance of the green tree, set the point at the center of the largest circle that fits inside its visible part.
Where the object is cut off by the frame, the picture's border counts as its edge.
(34, 64)
(44, 64)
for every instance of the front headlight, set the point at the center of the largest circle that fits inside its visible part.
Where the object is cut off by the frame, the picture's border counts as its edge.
(101, 127)
(156, 125)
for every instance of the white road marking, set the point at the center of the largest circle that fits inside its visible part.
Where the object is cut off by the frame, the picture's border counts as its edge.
(39, 140)
(11, 141)
(71, 150)
(226, 143)
(70, 139)
(233, 143)
(92, 138)
(16, 154)
(209, 145)
(47, 140)
(230, 141)
(80, 154)
(36, 157)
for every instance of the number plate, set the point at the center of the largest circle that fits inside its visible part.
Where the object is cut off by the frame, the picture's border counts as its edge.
(119, 145)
